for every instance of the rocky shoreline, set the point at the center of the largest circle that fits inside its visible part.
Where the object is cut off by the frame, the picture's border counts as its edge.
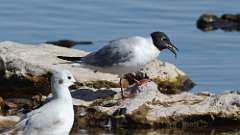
(162, 103)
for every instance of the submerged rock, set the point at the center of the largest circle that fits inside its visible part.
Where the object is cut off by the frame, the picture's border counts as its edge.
(227, 22)
(69, 43)
(28, 67)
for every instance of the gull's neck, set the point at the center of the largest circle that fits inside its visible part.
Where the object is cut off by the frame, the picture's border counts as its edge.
(61, 92)
(151, 46)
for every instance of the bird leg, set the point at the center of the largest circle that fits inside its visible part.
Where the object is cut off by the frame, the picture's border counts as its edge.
(143, 82)
(126, 94)
(131, 77)
(122, 94)
(138, 82)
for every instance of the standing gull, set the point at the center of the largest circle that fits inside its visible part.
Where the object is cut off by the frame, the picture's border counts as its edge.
(56, 116)
(126, 55)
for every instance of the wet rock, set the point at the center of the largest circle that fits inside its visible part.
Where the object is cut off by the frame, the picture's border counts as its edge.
(231, 17)
(2, 67)
(149, 108)
(206, 22)
(193, 131)
(227, 22)
(68, 43)
(2, 104)
(7, 121)
(28, 67)
(17, 106)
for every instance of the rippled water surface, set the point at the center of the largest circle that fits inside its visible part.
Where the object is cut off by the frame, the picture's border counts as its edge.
(210, 59)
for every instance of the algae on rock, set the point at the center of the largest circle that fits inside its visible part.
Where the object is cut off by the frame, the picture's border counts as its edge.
(151, 109)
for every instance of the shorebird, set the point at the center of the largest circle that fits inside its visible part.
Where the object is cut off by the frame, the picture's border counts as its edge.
(56, 116)
(125, 55)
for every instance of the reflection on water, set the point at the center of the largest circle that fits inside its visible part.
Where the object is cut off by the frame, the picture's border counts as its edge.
(219, 131)
(204, 131)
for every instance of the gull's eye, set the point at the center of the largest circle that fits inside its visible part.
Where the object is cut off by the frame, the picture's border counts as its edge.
(69, 77)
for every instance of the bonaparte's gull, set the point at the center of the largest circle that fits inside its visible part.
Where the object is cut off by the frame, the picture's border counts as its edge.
(126, 55)
(56, 116)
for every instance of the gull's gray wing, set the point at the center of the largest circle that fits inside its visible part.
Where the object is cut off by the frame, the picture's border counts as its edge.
(37, 121)
(115, 52)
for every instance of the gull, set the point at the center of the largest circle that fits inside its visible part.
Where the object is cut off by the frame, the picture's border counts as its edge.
(125, 55)
(56, 116)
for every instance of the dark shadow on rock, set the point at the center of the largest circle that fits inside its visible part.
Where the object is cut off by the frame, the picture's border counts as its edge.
(19, 86)
(69, 43)
(2, 67)
(90, 95)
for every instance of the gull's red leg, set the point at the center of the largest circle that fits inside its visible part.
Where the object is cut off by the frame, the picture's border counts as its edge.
(122, 94)
(138, 82)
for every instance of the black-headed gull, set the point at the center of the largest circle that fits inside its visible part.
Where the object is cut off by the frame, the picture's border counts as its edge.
(126, 55)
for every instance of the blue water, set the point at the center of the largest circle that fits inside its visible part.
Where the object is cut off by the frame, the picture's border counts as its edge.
(210, 59)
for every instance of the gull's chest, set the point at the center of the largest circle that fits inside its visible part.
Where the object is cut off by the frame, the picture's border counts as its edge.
(144, 54)
(63, 112)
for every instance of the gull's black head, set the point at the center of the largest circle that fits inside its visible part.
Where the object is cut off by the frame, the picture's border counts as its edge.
(161, 41)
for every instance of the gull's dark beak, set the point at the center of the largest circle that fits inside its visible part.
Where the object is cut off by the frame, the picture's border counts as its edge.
(75, 85)
(172, 48)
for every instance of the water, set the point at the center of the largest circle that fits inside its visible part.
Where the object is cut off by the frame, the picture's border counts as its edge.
(204, 131)
(210, 59)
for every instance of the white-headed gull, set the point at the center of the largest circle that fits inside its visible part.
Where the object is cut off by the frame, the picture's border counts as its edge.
(56, 116)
